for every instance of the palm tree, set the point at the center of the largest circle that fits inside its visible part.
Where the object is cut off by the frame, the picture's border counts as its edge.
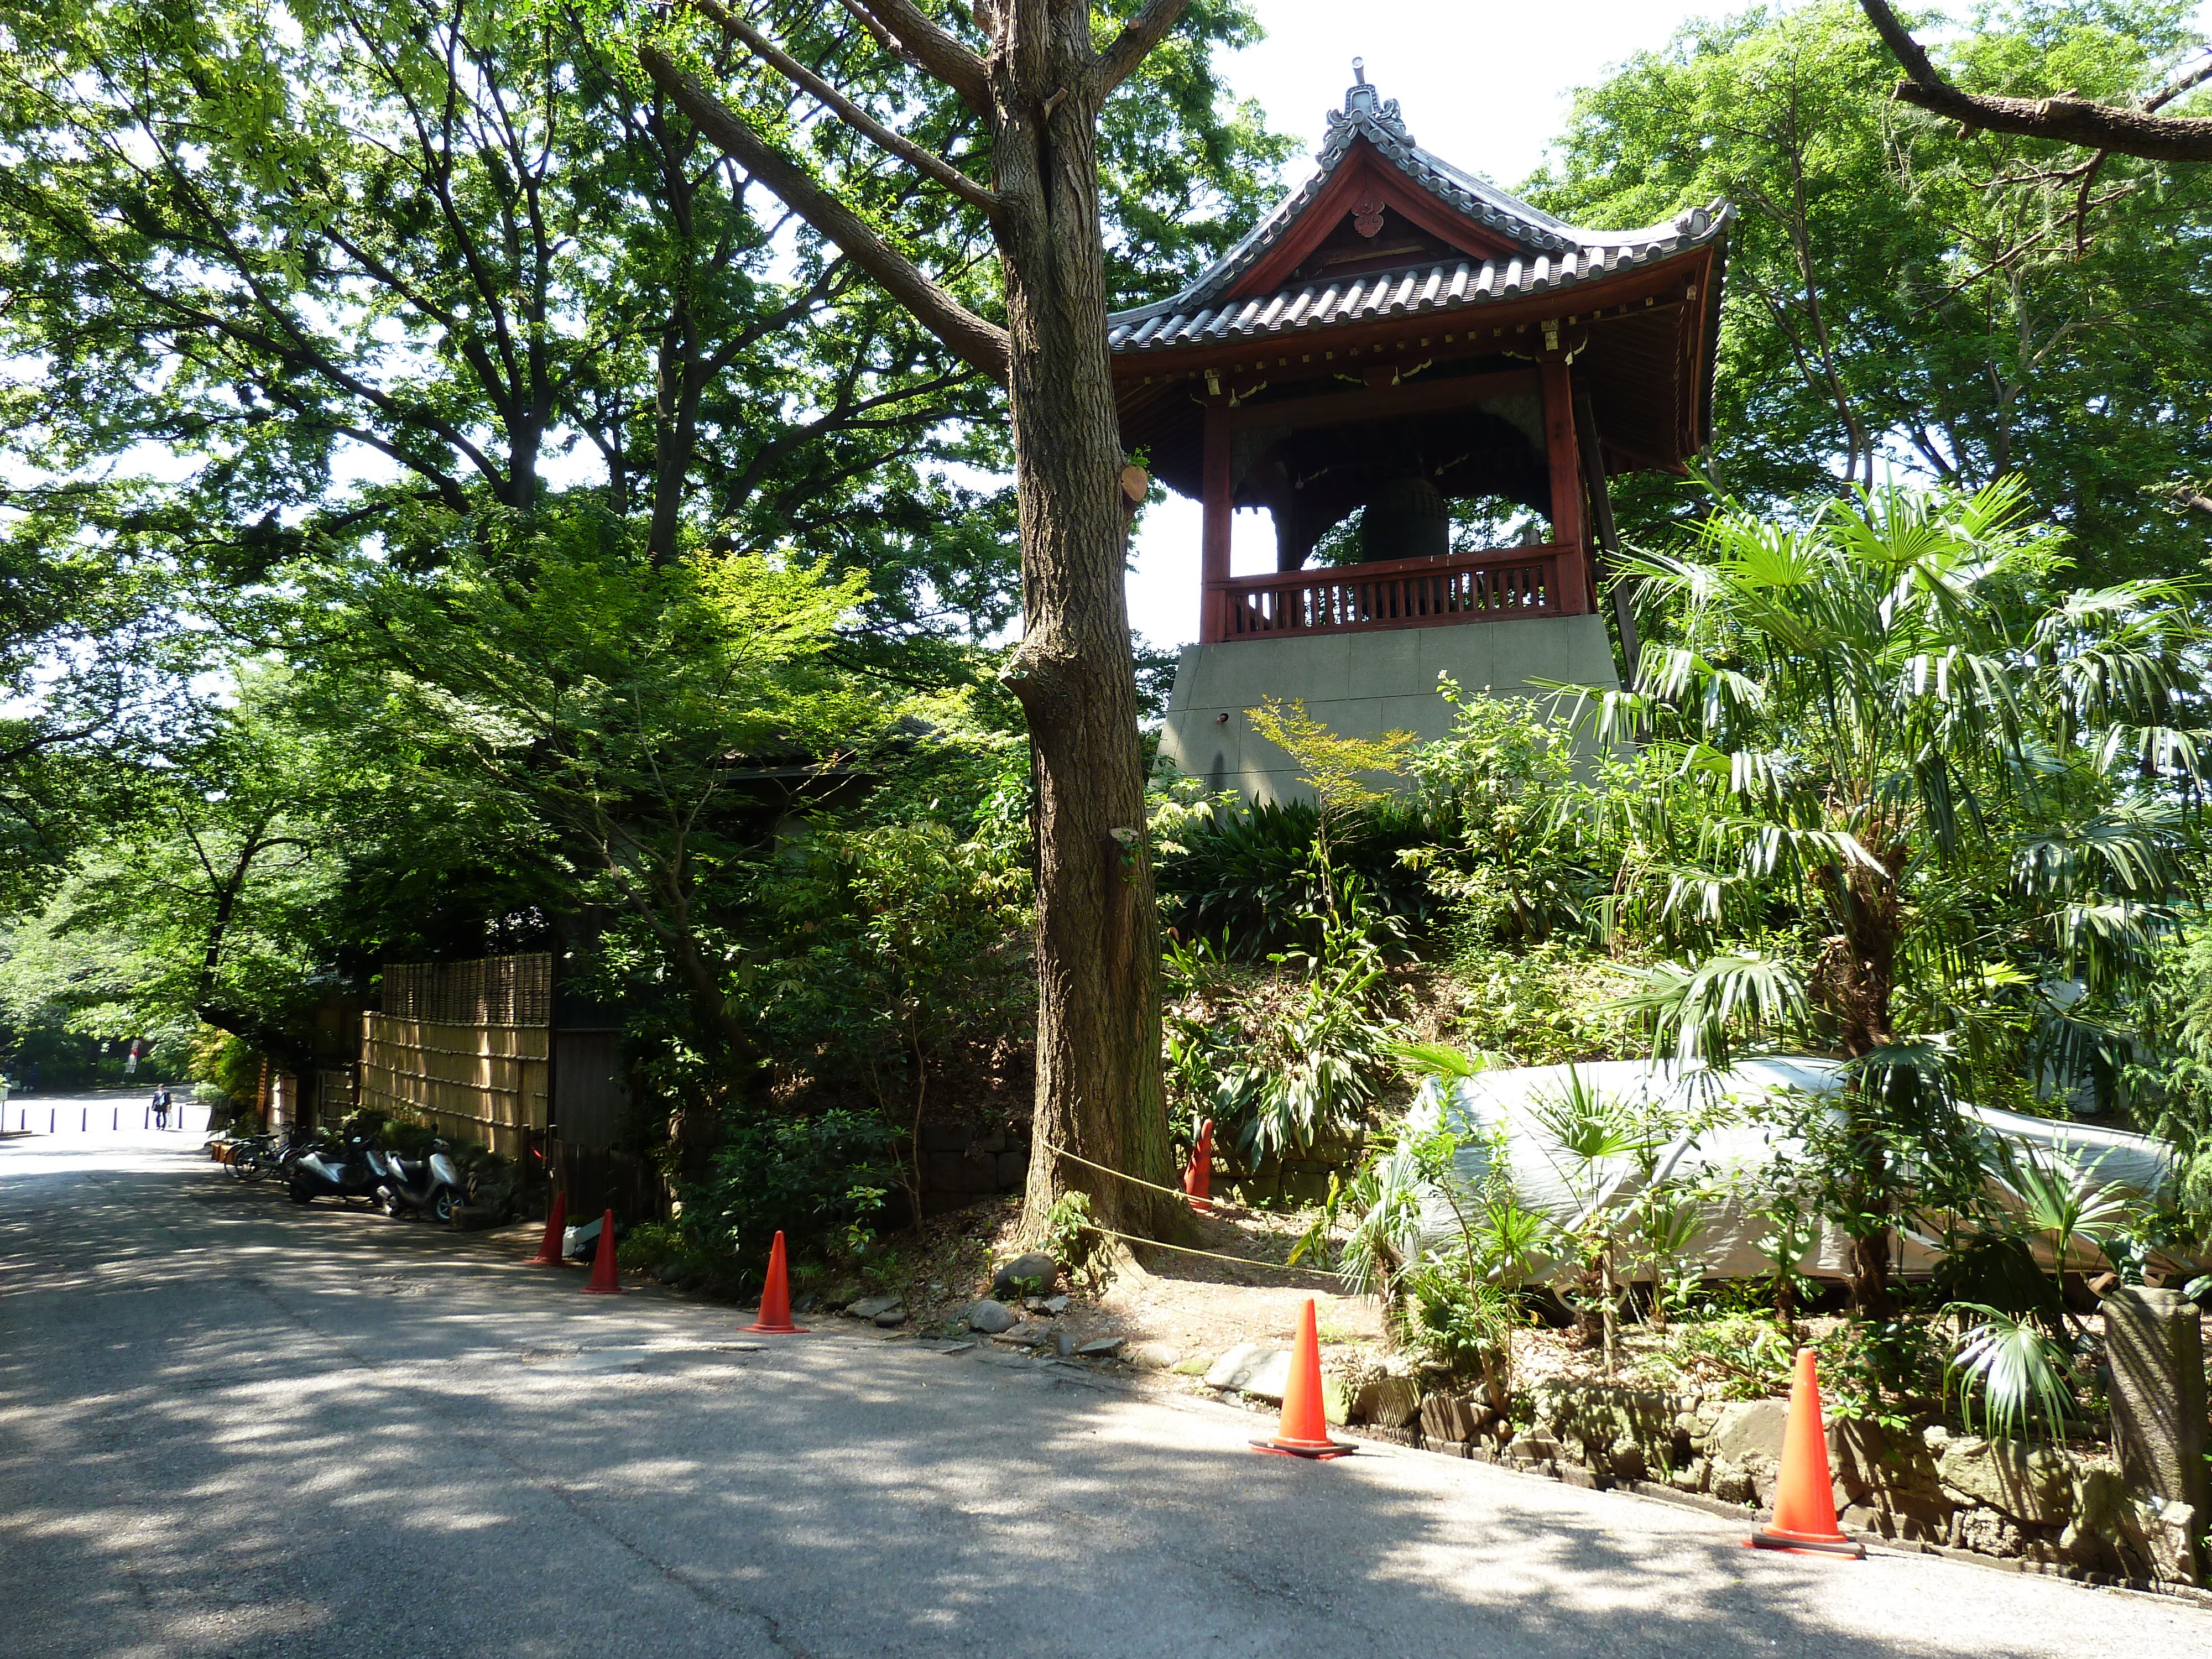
(1973, 790)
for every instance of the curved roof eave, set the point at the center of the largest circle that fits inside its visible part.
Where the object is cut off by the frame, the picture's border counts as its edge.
(1429, 287)
(1365, 115)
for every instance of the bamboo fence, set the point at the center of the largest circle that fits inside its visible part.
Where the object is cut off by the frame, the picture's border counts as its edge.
(466, 1045)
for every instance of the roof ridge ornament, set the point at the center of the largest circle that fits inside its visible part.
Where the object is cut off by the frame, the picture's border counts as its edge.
(1363, 105)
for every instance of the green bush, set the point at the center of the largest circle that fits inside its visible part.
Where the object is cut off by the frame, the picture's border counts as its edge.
(1250, 875)
(363, 1123)
(1750, 1355)
(1467, 1324)
(1291, 1059)
(1517, 850)
(649, 1244)
(819, 1180)
(1550, 1005)
(409, 1139)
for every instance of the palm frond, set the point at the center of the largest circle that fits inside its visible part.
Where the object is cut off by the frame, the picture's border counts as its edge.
(1440, 1060)
(2010, 1377)
(1697, 1013)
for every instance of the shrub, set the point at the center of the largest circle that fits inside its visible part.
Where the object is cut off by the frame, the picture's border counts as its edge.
(1516, 853)
(649, 1244)
(819, 1180)
(1291, 1059)
(1552, 1005)
(2011, 1378)
(1751, 1356)
(1248, 876)
(1072, 1239)
(1468, 1325)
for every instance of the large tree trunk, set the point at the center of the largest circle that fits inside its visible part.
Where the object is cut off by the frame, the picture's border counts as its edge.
(1040, 90)
(1098, 1091)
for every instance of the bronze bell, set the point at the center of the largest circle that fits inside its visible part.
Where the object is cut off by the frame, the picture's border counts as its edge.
(1405, 518)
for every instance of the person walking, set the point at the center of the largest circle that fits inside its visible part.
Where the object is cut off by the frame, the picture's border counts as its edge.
(161, 1106)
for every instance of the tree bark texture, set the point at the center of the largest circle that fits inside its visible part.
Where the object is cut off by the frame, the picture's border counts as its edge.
(2064, 118)
(1098, 1092)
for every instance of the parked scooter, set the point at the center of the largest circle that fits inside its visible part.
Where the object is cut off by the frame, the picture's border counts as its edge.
(320, 1174)
(429, 1186)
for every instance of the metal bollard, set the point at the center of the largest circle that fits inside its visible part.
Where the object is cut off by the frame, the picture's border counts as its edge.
(50, 1119)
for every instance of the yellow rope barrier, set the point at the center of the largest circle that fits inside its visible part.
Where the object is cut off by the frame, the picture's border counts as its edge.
(1135, 1180)
(1161, 1244)
(1214, 1255)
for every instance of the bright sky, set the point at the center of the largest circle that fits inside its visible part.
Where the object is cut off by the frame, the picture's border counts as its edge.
(1485, 86)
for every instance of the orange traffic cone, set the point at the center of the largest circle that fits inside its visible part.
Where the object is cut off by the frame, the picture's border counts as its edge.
(603, 1280)
(1805, 1501)
(775, 1299)
(1304, 1431)
(1197, 1179)
(557, 1223)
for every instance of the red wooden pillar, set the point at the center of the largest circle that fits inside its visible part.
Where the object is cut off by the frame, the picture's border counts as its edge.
(1567, 528)
(1220, 501)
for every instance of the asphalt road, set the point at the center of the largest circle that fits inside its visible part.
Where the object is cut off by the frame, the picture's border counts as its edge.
(231, 1427)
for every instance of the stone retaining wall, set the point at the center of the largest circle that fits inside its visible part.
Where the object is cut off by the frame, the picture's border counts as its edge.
(2061, 1509)
(961, 1164)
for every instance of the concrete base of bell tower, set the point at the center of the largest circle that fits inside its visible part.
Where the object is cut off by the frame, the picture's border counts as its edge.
(1362, 684)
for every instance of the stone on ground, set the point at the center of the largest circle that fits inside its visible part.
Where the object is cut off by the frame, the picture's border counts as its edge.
(990, 1317)
(1750, 1428)
(1034, 1268)
(869, 1306)
(1230, 1370)
(1270, 1377)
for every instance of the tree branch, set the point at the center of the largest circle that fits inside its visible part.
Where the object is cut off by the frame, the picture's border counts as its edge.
(2186, 495)
(930, 166)
(980, 342)
(929, 45)
(1137, 39)
(2180, 83)
(2064, 119)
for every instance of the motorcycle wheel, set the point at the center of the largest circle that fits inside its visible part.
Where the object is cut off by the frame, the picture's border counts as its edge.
(388, 1202)
(297, 1190)
(441, 1207)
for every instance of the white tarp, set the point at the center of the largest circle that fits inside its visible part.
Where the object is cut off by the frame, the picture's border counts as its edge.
(1729, 1162)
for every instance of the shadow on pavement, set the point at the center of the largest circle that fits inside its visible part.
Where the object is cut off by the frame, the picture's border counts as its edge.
(235, 1427)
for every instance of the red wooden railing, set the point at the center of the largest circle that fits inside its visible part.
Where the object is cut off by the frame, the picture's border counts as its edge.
(1493, 586)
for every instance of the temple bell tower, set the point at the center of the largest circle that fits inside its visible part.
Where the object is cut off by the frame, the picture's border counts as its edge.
(1395, 337)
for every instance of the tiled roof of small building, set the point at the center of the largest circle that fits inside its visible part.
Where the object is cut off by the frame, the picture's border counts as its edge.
(1555, 254)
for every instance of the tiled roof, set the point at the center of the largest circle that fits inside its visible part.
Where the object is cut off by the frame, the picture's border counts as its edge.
(1557, 253)
(1410, 292)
